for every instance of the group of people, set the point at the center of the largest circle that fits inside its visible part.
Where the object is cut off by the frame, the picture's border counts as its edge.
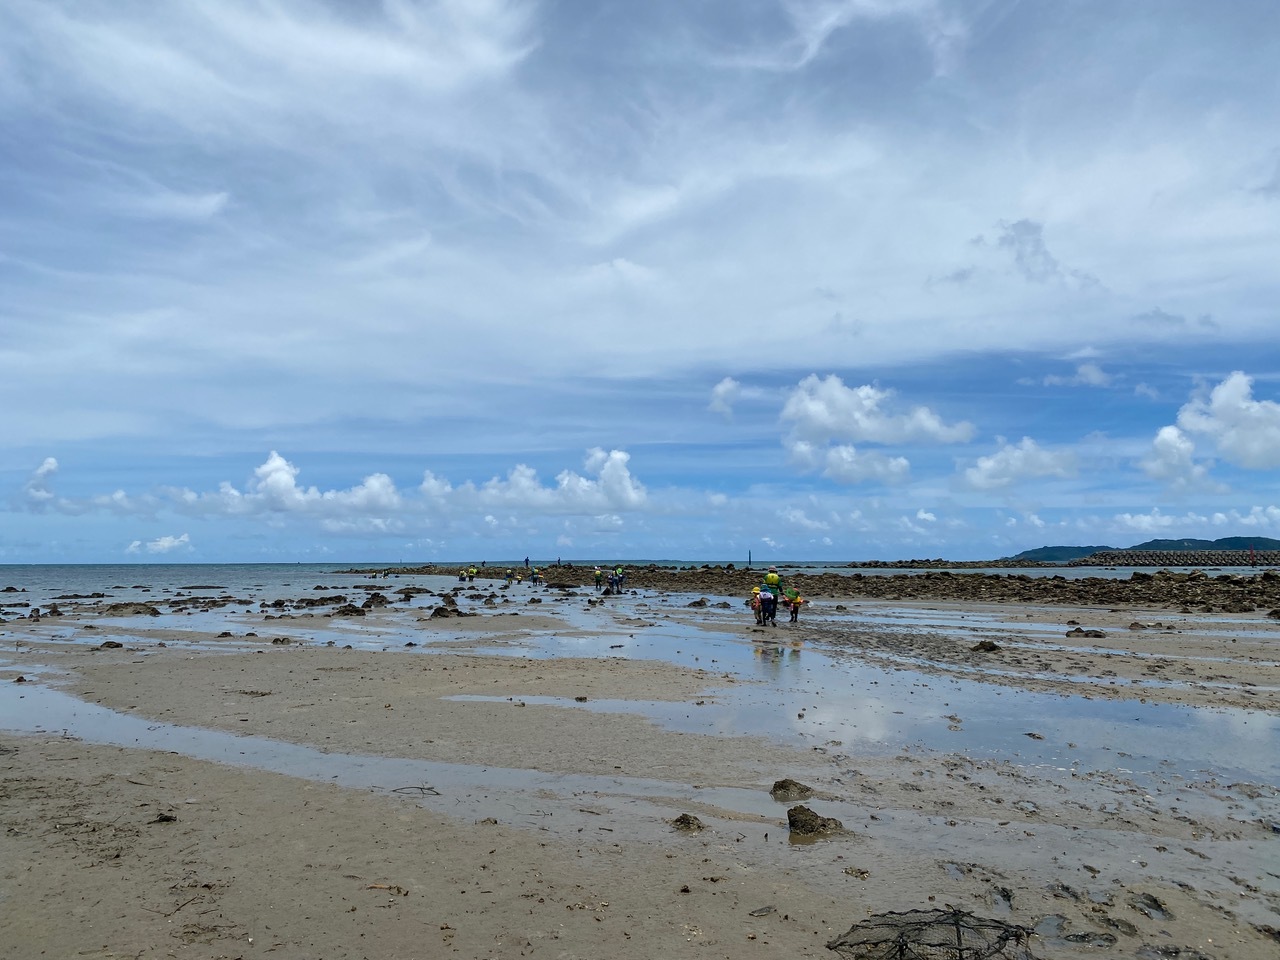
(518, 576)
(616, 578)
(764, 600)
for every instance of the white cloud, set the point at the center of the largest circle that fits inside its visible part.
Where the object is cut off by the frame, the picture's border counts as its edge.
(1086, 375)
(845, 464)
(823, 411)
(1014, 462)
(1245, 431)
(925, 515)
(1157, 522)
(798, 518)
(37, 491)
(723, 396)
(160, 545)
(172, 205)
(1172, 461)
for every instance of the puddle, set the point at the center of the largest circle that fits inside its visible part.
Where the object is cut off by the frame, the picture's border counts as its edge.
(524, 797)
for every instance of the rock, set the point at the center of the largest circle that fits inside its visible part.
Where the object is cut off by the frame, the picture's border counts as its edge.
(700, 602)
(110, 645)
(985, 646)
(121, 609)
(790, 791)
(688, 823)
(1090, 634)
(804, 822)
(348, 610)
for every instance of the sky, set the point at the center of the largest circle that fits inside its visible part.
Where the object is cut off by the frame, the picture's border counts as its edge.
(414, 280)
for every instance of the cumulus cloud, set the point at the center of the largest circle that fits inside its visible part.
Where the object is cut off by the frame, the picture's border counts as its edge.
(1157, 522)
(1020, 461)
(603, 489)
(822, 412)
(274, 489)
(846, 464)
(1245, 431)
(1171, 460)
(607, 486)
(160, 545)
(822, 409)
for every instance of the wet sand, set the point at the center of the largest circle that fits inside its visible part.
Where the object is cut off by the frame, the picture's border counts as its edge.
(505, 787)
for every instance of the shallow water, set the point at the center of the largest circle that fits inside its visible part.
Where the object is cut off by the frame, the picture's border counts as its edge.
(803, 693)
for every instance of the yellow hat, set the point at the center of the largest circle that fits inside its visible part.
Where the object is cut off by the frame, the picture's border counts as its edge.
(755, 589)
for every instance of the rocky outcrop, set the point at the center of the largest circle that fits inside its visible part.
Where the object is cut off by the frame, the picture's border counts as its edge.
(1164, 588)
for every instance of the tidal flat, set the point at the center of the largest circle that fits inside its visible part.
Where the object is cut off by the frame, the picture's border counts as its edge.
(248, 767)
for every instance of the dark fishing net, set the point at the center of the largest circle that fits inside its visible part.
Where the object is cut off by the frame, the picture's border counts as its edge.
(932, 935)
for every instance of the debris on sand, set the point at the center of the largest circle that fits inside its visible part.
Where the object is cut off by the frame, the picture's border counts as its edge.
(985, 646)
(688, 823)
(936, 934)
(1150, 905)
(787, 790)
(804, 822)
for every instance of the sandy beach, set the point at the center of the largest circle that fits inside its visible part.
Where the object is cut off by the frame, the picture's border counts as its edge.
(234, 777)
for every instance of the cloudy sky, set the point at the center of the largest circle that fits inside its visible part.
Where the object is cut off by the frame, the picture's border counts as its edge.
(466, 279)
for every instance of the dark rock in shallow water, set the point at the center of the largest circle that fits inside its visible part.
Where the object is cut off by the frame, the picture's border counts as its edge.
(985, 646)
(790, 791)
(804, 822)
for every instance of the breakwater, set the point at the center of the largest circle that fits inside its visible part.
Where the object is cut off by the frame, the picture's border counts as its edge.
(1179, 558)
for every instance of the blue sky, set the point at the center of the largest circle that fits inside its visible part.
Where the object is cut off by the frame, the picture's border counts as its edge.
(286, 280)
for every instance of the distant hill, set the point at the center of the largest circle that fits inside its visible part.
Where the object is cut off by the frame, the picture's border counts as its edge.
(1062, 554)
(1057, 554)
(1225, 543)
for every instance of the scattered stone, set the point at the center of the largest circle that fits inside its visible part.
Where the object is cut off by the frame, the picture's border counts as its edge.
(985, 646)
(110, 645)
(130, 609)
(805, 823)
(1090, 634)
(790, 791)
(688, 823)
